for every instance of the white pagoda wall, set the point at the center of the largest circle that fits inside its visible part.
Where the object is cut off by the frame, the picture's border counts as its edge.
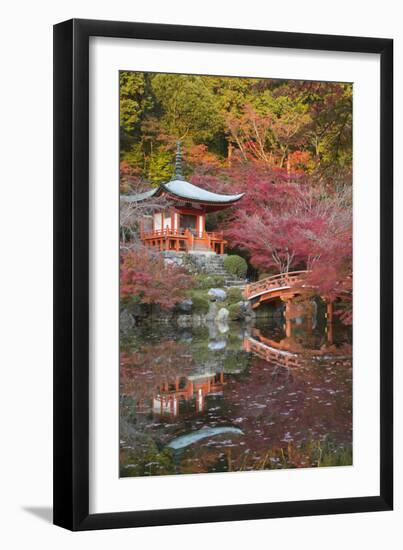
(157, 221)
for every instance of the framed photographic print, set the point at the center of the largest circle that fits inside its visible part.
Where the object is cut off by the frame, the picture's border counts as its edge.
(223, 274)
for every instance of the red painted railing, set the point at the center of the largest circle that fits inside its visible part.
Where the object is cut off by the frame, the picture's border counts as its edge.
(269, 284)
(189, 237)
(289, 359)
(167, 232)
(158, 233)
(290, 346)
(216, 235)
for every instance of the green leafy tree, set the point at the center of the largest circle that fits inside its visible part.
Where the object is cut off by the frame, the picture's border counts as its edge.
(188, 106)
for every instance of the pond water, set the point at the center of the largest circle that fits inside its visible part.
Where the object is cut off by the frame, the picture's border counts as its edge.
(274, 394)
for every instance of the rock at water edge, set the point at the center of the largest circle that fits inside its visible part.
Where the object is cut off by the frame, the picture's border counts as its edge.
(218, 293)
(222, 315)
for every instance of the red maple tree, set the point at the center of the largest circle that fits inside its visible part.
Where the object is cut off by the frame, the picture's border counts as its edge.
(288, 223)
(147, 279)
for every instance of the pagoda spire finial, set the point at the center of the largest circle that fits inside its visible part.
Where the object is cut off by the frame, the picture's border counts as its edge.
(178, 162)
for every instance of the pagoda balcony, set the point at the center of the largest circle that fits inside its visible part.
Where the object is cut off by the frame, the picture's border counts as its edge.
(184, 240)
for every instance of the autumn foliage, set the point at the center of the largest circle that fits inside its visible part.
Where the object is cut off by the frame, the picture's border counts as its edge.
(286, 144)
(289, 221)
(145, 278)
(286, 225)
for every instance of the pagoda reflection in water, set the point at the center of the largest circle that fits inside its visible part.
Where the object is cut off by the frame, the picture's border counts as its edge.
(173, 393)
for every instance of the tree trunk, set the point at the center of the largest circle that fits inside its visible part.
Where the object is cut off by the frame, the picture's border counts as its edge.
(229, 153)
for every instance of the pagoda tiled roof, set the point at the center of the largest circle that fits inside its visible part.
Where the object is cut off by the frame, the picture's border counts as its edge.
(182, 189)
(186, 190)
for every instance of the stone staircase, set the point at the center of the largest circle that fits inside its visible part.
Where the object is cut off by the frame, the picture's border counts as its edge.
(204, 261)
(213, 264)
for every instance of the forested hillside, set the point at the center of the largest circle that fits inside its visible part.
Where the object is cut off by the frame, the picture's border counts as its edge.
(293, 125)
(286, 144)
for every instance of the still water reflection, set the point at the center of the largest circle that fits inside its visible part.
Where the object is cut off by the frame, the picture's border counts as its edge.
(235, 397)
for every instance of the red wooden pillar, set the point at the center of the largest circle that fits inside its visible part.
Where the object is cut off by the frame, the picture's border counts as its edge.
(288, 328)
(288, 325)
(329, 319)
(329, 312)
(329, 333)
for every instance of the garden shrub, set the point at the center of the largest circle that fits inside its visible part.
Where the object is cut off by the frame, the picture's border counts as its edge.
(236, 265)
(218, 280)
(205, 282)
(200, 303)
(235, 311)
(234, 295)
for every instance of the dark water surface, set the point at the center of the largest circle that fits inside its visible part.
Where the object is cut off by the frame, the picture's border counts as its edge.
(235, 397)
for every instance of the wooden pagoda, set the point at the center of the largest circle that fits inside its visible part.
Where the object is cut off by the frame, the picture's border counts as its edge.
(181, 226)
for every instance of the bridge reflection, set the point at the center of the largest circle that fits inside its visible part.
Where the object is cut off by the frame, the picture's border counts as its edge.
(305, 336)
(183, 391)
(289, 353)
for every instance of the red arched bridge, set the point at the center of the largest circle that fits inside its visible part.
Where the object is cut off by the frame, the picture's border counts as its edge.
(284, 285)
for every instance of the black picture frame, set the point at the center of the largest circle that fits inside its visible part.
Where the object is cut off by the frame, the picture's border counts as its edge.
(72, 285)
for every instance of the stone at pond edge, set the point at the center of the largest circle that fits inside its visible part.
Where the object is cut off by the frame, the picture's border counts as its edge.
(218, 293)
(223, 327)
(222, 315)
(241, 311)
(126, 321)
(185, 306)
(186, 321)
(139, 310)
(217, 345)
(247, 310)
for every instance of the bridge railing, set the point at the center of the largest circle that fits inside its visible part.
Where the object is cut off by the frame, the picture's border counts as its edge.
(291, 359)
(282, 280)
(285, 359)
